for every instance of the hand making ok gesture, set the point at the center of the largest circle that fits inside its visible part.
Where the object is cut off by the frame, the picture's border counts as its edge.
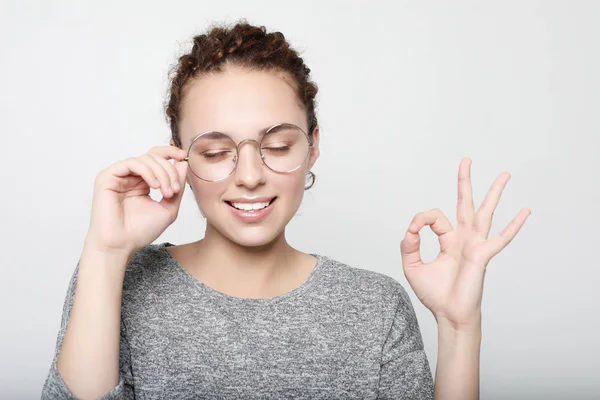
(451, 286)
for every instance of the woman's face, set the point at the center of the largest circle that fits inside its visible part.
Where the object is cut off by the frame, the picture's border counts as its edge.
(242, 103)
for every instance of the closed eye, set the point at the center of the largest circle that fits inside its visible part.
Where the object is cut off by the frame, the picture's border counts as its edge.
(215, 154)
(277, 149)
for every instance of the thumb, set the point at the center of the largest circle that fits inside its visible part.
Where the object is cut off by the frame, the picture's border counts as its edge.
(172, 203)
(410, 248)
(181, 167)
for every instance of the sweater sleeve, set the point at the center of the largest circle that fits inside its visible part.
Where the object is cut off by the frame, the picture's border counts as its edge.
(404, 371)
(54, 386)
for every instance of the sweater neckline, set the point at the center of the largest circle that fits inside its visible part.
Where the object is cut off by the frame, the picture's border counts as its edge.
(308, 283)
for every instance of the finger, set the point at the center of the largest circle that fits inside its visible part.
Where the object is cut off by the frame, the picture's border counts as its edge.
(130, 170)
(160, 172)
(410, 245)
(465, 207)
(168, 152)
(485, 214)
(500, 241)
(435, 218)
(410, 249)
(173, 203)
(170, 169)
(181, 168)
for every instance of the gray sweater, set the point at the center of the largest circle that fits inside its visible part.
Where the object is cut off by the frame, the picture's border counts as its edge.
(345, 333)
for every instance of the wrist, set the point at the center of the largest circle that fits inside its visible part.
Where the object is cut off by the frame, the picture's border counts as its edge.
(467, 326)
(109, 260)
(459, 335)
(92, 246)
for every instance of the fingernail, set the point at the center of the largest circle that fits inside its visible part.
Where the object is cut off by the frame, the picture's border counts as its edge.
(176, 186)
(412, 227)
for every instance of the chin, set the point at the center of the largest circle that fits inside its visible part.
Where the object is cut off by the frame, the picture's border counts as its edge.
(259, 236)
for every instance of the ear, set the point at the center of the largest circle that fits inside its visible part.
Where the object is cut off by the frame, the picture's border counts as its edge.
(314, 151)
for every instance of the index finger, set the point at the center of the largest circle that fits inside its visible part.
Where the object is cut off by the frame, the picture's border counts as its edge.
(410, 247)
(169, 152)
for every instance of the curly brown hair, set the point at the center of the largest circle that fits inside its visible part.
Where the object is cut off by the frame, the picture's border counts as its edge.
(242, 45)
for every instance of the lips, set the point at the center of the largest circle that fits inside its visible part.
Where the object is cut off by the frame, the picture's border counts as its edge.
(251, 210)
(253, 206)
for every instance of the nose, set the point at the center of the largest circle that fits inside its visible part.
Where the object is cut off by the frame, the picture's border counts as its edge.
(250, 169)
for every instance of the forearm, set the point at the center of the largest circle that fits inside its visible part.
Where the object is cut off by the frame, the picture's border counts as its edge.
(457, 373)
(89, 358)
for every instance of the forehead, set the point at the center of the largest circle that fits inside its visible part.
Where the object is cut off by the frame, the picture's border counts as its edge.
(239, 102)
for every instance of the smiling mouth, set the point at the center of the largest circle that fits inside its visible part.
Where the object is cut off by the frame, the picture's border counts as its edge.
(251, 206)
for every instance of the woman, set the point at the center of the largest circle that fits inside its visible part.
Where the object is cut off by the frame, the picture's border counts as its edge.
(241, 313)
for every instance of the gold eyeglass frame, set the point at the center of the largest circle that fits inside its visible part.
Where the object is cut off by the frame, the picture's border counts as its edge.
(259, 143)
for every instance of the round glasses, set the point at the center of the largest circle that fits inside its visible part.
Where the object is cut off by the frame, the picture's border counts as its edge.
(213, 156)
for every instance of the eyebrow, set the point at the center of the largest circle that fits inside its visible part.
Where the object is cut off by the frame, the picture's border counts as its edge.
(213, 135)
(218, 134)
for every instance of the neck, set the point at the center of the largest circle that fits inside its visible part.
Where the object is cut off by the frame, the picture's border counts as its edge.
(243, 271)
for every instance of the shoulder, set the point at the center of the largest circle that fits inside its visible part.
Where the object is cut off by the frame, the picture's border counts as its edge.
(147, 264)
(364, 283)
(378, 298)
(152, 256)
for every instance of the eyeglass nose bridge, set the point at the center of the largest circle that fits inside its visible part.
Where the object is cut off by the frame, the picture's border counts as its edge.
(239, 145)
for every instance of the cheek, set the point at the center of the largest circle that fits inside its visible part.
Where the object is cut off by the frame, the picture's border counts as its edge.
(207, 193)
(292, 186)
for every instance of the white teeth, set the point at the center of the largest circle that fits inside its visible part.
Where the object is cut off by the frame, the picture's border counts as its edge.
(250, 206)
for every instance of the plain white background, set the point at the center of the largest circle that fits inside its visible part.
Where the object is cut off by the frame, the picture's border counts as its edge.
(406, 90)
